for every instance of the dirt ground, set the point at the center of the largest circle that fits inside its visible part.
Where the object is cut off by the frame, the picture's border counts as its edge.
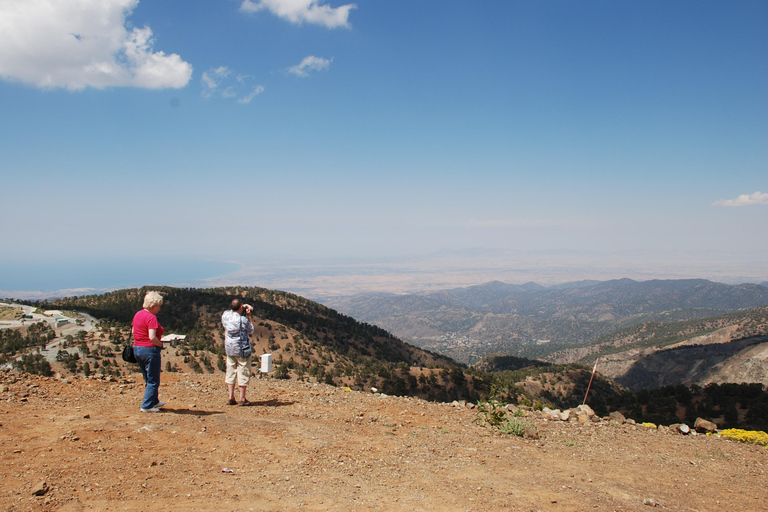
(83, 445)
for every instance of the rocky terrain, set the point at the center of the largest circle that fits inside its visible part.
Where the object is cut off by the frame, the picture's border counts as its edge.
(76, 444)
(744, 360)
(731, 348)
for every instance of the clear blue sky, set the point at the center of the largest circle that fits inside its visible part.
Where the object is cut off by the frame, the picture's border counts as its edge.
(300, 128)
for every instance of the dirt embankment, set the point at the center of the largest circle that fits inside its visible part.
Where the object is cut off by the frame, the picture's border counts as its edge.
(84, 445)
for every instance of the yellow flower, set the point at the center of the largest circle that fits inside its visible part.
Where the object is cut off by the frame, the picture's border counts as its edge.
(746, 436)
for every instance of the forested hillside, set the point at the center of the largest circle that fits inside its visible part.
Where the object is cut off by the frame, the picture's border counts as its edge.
(306, 339)
(730, 405)
(743, 324)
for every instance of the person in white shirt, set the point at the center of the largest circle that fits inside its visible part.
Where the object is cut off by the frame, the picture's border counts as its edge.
(238, 325)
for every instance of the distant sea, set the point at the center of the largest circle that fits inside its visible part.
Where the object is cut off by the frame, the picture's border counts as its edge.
(107, 274)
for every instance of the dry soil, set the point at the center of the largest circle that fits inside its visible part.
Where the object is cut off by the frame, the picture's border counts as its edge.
(82, 444)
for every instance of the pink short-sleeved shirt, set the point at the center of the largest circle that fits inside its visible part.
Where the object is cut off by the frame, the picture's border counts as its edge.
(143, 321)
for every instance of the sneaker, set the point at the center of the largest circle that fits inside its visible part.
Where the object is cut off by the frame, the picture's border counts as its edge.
(151, 409)
(159, 405)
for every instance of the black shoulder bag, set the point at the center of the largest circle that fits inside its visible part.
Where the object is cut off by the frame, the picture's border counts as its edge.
(128, 356)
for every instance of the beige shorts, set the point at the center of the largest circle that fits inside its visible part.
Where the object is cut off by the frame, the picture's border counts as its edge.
(240, 366)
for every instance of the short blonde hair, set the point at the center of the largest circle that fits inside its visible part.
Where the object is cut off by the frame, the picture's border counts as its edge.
(152, 299)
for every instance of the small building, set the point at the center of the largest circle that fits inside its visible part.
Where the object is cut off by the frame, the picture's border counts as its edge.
(173, 338)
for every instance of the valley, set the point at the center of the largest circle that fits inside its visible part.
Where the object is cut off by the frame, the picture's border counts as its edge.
(533, 321)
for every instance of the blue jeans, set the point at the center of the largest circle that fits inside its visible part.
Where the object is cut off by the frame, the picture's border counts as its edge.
(148, 359)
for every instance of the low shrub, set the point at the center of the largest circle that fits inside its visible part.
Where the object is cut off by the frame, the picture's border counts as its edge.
(746, 436)
(514, 426)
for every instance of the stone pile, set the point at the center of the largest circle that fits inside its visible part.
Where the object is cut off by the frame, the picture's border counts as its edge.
(585, 414)
(580, 414)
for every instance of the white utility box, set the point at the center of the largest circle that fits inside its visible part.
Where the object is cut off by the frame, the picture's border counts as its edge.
(266, 363)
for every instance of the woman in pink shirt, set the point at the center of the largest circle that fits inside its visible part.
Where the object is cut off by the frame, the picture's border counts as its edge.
(147, 332)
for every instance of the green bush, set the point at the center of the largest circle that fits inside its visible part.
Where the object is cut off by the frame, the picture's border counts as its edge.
(33, 363)
(492, 411)
(514, 426)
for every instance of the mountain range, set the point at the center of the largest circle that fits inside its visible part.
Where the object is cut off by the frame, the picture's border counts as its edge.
(309, 341)
(532, 320)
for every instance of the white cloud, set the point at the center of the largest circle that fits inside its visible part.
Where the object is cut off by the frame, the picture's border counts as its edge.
(300, 11)
(744, 200)
(222, 82)
(256, 91)
(212, 78)
(82, 43)
(310, 63)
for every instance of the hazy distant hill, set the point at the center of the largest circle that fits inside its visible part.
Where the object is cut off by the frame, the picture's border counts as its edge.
(531, 320)
(728, 348)
(657, 335)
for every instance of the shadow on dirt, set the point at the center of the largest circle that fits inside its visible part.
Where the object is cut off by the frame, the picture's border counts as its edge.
(271, 403)
(191, 412)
